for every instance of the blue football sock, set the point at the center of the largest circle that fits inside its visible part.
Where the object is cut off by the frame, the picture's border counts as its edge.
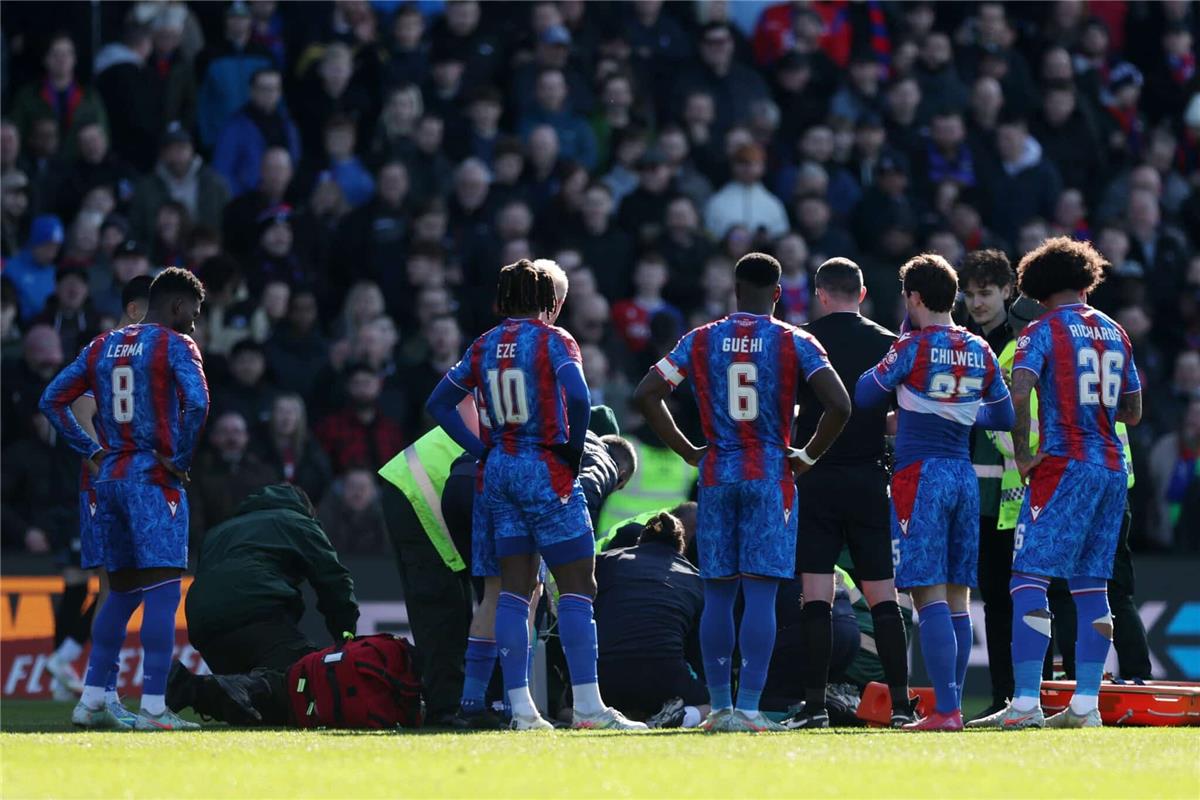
(716, 639)
(158, 638)
(577, 630)
(940, 650)
(108, 634)
(1093, 634)
(512, 639)
(1030, 635)
(480, 662)
(756, 640)
(962, 641)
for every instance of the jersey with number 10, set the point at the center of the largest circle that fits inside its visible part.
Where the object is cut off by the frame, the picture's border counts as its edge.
(513, 372)
(151, 397)
(745, 371)
(1084, 363)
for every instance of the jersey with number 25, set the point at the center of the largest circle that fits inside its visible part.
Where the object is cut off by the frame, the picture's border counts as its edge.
(745, 371)
(1084, 363)
(513, 372)
(151, 397)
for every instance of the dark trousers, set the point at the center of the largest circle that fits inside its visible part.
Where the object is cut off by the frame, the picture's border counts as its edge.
(1129, 635)
(274, 644)
(439, 602)
(259, 698)
(995, 573)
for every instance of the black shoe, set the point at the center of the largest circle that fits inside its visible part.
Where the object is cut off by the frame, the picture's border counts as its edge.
(996, 707)
(669, 716)
(902, 717)
(181, 691)
(482, 720)
(818, 718)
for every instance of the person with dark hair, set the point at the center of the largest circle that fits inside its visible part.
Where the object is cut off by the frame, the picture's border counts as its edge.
(126, 82)
(227, 470)
(844, 502)
(1022, 183)
(1081, 363)
(532, 496)
(239, 142)
(648, 604)
(734, 87)
(59, 96)
(946, 379)
(360, 435)
(179, 175)
(225, 70)
(747, 518)
(245, 604)
(576, 140)
(141, 461)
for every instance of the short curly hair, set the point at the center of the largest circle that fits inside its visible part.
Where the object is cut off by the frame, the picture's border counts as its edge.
(1060, 264)
(934, 278)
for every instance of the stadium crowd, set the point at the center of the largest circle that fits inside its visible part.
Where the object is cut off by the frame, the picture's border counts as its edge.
(348, 178)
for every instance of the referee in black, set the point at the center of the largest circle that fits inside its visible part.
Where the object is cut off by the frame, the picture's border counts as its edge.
(843, 501)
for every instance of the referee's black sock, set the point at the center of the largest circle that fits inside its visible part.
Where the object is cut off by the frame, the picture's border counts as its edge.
(818, 634)
(893, 651)
(69, 615)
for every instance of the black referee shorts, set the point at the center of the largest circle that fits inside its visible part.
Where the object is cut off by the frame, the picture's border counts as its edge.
(844, 505)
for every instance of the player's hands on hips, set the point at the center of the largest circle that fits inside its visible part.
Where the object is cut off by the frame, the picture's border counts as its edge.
(570, 455)
(798, 465)
(696, 455)
(93, 463)
(1026, 468)
(170, 467)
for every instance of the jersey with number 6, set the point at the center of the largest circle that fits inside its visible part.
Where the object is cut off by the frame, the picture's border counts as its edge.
(513, 372)
(151, 396)
(1084, 363)
(745, 371)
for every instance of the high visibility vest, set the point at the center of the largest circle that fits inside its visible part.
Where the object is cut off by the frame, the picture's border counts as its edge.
(662, 480)
(419, 472)
(1012, 488)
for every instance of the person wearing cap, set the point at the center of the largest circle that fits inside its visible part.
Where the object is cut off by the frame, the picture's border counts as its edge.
(69, 311)
(60, 96)
(224, 70)
(1171, 78)
(733, 86)
(1122, 123)
(744, 200)
(128, 262)
(180, 175)
(32, 270)
(642, 210)
(275, 258)
(126, 82)
(261, 123)
(886, 202)
(551, 52)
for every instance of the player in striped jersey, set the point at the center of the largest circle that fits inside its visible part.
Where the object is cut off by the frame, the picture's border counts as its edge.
(745, 371)
(151, 401)
(946, 379)
(527, 378)
(1081, 363)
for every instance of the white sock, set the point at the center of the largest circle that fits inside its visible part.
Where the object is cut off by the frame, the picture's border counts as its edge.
(93, 697)
(587, 698)
(691, 716)
(1024, 704)
(111, 696)
(522, 702)
(154, 704)
(69, 650)
(1084, 703)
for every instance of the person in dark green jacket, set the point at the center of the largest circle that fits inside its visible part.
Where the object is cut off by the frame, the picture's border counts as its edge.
(245, 604)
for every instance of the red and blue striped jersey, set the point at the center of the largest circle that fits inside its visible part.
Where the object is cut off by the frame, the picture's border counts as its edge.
(513, 372)
(151, 396)
(941, 375)
(745, 371)
(1084, 363)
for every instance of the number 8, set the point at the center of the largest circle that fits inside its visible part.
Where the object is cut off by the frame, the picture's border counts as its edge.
(122, 391)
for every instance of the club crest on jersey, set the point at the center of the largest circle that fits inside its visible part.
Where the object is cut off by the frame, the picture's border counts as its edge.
(890, 358)
(1023, 342)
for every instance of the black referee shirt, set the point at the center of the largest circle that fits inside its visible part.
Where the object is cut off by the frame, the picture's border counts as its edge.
(854, 344)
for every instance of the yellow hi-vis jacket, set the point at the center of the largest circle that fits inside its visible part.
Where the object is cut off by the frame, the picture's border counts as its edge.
(419, 472)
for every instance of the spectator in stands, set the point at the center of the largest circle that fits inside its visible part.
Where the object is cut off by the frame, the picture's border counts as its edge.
(360, 435)
(225, 71)
(352, 515)
(180, 175)
(604, 246)
(445, 339)
(328, 91)
(733, 86)
(69, 311)
(58, 97)
(937, 76)
(429, 170)
(408, 48)
(126, 82)
(128, 262)
(40, 481)
(745, 201)
(26, 378)
(340, 162)
(397, 125)
(1023, 183)
(275, 258)
(886, 203)
(274, 188)
(642, 211)
(632, 316)
(31, 271)
(248, 391)
(225, 474)
(575, 138)
(14, 211)
(261, 123)
(551, 51)
(171, 69)
(296, 349)
(287, 445)
(370, 241)
(1069, 139)
(478, 139)
(860, 94)
(1123, 124)
(95, 165)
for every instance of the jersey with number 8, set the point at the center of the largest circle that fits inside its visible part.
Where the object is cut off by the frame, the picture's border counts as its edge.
(1084, 363)
(512, 371)
(745, 370)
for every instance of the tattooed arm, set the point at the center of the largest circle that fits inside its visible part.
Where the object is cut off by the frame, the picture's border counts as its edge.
(1023, 383)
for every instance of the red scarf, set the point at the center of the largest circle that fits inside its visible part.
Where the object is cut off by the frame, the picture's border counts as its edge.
(74, 98)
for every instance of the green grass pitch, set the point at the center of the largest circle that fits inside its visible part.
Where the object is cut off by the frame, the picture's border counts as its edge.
(40, 757)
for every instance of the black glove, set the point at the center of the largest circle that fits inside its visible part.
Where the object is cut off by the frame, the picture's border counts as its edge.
(570, 455)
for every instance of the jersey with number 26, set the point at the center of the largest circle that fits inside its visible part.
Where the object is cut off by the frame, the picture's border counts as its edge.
(513, 372)
(745, 371)
(1084, 363)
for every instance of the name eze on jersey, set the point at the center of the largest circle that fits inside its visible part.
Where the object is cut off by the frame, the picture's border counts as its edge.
(506, 350)
(956, 358)
(123, 350)
(1088, 332)
(742, 344)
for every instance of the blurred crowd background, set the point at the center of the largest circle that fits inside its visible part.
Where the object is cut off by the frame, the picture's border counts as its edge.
(348, 178)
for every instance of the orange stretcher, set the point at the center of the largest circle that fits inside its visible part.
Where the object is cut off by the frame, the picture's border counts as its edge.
(1158, 703)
